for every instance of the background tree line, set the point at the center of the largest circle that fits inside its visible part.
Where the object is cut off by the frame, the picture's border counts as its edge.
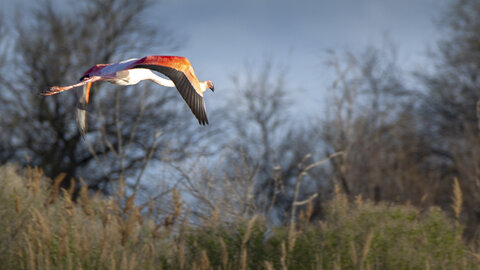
(386, 139)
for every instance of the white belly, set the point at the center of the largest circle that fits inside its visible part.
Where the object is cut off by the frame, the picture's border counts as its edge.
(131, 76)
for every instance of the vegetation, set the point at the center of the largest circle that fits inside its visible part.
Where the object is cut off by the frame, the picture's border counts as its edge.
(386, 178)
(40, 228)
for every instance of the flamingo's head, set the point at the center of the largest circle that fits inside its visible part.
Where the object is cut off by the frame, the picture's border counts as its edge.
(204, 85)
(210, 85)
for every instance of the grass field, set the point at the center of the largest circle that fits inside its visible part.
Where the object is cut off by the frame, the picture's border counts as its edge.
(41, 228)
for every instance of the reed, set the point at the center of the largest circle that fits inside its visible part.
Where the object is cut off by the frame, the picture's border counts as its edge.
(45, 229)
(457, 198)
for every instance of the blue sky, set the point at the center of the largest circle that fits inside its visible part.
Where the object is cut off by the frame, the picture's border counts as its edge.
(221, 36)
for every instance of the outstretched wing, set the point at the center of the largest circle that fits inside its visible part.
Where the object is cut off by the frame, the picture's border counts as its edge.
(179, 70)
(82, 101)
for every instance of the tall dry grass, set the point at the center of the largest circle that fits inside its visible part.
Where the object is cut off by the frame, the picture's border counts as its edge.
(42, 228)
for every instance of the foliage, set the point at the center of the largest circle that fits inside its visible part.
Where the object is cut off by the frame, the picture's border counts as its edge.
(41, 228)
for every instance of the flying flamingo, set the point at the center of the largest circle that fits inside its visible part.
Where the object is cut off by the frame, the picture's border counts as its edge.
(129, 72)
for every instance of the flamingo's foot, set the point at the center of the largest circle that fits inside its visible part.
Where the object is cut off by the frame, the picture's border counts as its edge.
(52, 91)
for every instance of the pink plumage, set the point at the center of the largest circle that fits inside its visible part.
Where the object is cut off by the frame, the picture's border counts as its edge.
(177, 69)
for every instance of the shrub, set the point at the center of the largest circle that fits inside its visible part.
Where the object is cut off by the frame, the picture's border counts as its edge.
(41, 228)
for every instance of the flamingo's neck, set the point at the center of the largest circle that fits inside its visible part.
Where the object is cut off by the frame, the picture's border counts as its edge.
(203, 86)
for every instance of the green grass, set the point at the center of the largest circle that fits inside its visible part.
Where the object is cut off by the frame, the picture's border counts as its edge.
(41, 229)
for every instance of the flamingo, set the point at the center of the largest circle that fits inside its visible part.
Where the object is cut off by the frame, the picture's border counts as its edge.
(130, 72)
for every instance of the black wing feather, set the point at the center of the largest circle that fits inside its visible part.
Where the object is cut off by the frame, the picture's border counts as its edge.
(194, 101)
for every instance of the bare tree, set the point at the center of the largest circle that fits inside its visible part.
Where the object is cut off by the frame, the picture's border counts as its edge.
(451, 105)
(371, 116)
(263, 155)
(53, 48)
(6, 150)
